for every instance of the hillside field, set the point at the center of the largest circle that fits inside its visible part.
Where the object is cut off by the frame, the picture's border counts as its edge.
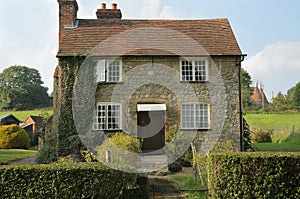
(22, 115)
(274, 121)
(285, 131)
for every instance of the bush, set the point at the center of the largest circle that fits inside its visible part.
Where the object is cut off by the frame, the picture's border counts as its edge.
(261, 136)
(48, 153)
(13, 137)
(122, 148)
(254, 175)
(76, 180)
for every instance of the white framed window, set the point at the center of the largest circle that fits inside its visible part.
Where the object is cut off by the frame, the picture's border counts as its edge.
(195, 116)
(108, 116)
(194, 69)
(109, 70)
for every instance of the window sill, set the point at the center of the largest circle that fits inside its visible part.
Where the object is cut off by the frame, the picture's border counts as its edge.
(121, 82)
(202, 81)
(204, 129)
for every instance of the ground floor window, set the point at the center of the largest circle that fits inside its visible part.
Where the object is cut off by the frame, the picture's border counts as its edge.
(195, 116)
(108, 116)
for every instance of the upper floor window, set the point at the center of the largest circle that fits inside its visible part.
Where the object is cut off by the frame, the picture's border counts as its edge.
(109, 70)
(108, 116)
(194, 69)
(195, 116)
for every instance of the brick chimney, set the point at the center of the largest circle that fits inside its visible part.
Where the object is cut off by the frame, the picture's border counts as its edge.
(67, 15)
(112, 13)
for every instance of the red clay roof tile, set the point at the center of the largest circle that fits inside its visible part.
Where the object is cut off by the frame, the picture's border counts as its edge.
(150, 37)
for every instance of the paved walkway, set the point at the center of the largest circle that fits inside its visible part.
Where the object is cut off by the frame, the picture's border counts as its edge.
(161, 187)
(29, 160)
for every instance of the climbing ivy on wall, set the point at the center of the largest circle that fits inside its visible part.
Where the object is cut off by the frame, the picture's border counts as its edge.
(68, 141)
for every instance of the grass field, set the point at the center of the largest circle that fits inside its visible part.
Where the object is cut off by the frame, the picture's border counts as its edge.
(22, 115)
(285, 128)
(7, 155)
(274, 121)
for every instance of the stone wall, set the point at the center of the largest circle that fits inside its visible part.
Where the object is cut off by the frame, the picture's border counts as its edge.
(157, 80)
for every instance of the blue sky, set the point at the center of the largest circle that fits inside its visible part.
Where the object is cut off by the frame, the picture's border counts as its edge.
(267, 31)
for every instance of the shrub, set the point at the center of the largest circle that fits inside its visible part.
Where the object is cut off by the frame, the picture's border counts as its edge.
(13, 137)
(76, 180)
(261, 136)
(48, 153)
(254, 175)
(122, 148)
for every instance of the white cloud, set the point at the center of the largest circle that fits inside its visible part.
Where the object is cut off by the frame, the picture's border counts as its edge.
(167, 13)
(151, 8)
(277, 66)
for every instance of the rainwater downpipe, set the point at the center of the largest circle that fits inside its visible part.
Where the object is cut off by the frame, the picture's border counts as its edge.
(240, 103)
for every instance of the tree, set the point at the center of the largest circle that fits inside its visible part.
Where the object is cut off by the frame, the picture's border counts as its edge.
(247, 90)
(21, 88)
(280, 103)
(296, 97)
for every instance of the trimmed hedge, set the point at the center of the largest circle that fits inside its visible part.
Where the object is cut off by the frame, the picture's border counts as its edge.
(76, 180)
(254, 175)
(13, 137)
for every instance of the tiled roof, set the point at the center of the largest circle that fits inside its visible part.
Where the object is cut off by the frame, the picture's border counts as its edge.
(259, 96)
(8, 115)
(150, 37)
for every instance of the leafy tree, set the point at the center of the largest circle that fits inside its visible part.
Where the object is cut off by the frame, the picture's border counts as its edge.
(21, 88)
(280, 103)
(296, 97)
(247, 90)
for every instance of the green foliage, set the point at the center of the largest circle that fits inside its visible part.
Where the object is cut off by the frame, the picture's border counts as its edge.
(261, 136)
(85, 180)
(246, 136)
(254, 175)
(48, 153)
(68, 141)
(296, 97)
(21, 89)
(247, 90)
(88, 156)
(280, 103)
(122, 148)
(13, 137)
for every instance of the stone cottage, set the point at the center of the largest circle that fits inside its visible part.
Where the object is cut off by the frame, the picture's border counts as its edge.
(146, 78)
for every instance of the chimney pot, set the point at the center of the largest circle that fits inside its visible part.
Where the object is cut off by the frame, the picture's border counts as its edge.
(103, 6)
(114, 6)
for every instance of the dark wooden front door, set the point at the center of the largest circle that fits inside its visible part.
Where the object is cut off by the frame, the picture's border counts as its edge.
(151, 128)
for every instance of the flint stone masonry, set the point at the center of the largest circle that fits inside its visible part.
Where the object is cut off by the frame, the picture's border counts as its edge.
(157, 80)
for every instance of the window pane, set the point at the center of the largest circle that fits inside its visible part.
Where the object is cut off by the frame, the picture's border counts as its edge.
(100, 70)
(200, 71)
(202, 116)
(113, 117)
(186, 71)
(99, 123)
(187, 116)
(114, 69)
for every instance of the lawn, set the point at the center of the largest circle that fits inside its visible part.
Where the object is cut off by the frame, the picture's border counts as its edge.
(22, 115)
(274, 121)
(282, 126)
(277, 147)
(190, 188)
(7, 155)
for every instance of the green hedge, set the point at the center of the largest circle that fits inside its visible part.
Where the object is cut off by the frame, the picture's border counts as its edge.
(13, 137)
(254, 175)
(76, 180)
